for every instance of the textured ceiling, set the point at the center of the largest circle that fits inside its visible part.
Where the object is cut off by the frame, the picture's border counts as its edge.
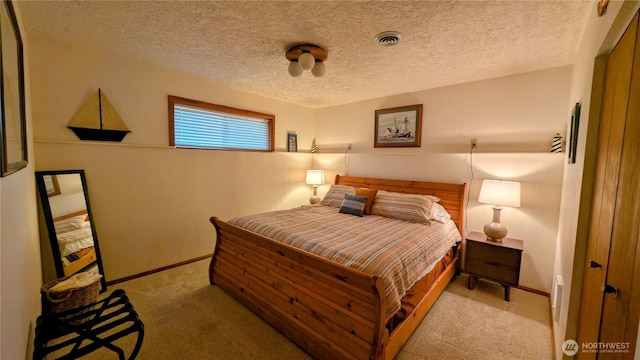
(242, 44)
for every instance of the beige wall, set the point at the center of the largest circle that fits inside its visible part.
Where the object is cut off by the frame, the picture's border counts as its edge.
(514, 119)
(151, 202)
(518, 113)
(65, 76)
(20, 277)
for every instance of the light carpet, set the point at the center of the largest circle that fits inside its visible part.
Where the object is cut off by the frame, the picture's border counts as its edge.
(186, 318)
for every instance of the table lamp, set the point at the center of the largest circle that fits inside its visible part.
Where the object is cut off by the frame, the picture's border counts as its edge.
(315, 178)
(498, 193)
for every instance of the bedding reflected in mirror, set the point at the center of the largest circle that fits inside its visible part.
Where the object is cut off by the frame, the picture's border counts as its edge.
(71, 233)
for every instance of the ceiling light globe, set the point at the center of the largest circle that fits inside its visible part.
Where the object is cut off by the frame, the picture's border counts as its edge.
(318, 69)
(294, 69)
(306, 61)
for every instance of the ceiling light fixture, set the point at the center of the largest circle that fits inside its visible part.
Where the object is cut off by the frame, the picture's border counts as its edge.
(306, 57)
(388, 38)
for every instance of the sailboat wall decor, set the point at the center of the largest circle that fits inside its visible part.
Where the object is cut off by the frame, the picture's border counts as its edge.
(98, 120)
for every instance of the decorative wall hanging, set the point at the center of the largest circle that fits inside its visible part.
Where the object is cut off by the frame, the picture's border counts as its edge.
(292, 142)
(13, 127)
(98, 120)
(556, 145)
(573, 138)
(314, 148)
(398, 127)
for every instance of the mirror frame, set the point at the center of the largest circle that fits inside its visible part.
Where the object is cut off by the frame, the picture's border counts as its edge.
(48, 216)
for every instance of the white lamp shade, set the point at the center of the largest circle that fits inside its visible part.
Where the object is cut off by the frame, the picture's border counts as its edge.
(315, 177)
(294, 69)
(318, 69)
(306, 61)
(500, 193)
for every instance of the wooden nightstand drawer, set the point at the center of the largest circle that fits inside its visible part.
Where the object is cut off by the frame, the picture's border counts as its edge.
(493, 270)
(493, 254)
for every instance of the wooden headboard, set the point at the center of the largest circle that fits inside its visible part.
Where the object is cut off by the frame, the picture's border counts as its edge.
(452, 196)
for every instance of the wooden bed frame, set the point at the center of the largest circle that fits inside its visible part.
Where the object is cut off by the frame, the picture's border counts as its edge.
(329, 310)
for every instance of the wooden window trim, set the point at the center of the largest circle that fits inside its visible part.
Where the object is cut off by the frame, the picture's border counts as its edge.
(173, 100)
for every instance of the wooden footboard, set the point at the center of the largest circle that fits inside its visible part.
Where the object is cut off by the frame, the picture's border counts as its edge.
(331, 311)
(86, 256)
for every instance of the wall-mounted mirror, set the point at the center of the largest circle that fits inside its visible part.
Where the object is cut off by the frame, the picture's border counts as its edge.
(69, 240)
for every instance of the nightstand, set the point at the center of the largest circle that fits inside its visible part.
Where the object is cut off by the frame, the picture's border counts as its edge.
(497, 261)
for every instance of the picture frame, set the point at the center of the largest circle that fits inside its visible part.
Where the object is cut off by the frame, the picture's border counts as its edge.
(292, 142)
(51, 185)
(13, 128)
(398, 127)
(573, 134)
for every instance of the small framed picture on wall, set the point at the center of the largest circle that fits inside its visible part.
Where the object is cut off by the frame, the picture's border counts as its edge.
(573, 135)
(292, 142)
(398, 127)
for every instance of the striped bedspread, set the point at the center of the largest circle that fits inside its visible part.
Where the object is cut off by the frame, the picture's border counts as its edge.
(400, 252)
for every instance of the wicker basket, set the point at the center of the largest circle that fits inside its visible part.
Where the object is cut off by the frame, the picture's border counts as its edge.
(59, 301)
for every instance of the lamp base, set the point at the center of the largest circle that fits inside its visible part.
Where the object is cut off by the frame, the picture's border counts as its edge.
(314, 199)
(495, 231)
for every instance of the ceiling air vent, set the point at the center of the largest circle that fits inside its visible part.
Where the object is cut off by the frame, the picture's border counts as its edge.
(388, 38)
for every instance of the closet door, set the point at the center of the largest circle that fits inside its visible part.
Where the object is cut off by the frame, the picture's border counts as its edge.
(607, 207)
(621, 307)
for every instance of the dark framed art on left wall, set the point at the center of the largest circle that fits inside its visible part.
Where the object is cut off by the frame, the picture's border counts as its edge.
(573, 134)
(13, 124)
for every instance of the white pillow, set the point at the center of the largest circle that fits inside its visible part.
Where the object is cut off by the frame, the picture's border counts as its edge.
(72, 223)
(439, 213)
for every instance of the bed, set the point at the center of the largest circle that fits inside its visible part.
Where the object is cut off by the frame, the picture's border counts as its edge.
(331, 305)
(75, 241)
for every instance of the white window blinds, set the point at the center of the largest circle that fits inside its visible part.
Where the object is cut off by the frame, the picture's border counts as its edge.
(207, 129)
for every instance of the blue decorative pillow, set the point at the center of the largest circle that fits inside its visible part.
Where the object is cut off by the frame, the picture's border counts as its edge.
(353, 205)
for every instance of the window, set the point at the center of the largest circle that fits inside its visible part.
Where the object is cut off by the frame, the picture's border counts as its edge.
(200, 125)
